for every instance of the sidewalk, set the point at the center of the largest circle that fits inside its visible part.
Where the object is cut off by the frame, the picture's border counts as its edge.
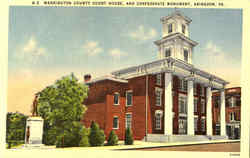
(137, 145)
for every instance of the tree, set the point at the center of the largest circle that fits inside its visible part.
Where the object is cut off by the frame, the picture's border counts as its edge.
(15, 132)
(112, 139)
(61, 107)
(96, 137)
(128, 137)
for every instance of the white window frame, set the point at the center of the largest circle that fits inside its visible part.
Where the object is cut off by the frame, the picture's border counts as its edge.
(126, 120)
(171, 28)
(158, 95)
(117, 122)
(158, 119)
(129, 91)
(158, 79)
(116, 93)
(182, 130)
(195, 123)
(232, 116)
(184, 99)
(182, 84)
(203, 124)
(232, 102)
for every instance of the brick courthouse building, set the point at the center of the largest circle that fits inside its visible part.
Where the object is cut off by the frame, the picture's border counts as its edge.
(168, 99)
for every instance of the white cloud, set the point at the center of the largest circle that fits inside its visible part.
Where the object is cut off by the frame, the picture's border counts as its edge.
(30, 51)
(143, 34)
(92, 48)
(215, 52)
(117, 53)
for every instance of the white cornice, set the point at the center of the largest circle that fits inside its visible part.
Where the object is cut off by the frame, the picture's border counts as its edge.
(108, 77)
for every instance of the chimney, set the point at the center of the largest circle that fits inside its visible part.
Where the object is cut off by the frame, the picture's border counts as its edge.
(87, 78)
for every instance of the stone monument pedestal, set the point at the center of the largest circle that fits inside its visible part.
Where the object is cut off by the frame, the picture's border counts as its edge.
(34, 131)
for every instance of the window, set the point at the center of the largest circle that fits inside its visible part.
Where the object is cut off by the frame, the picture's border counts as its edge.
(116, 99)
(129, 96)
(183, 85)
(196, 124)
(203, 106)
(182, 125)
(168, 52)
(186, 55)
(202, 91)
(170, 28)
(195, 89)
(232, 116)
(183, 28)
(158, 121)
(128, 121)
(232, 102)
(158, 96)
(203, 125)
(182, 105)
(195, 104)
(158, 79)
(217, 101)
(115, 122)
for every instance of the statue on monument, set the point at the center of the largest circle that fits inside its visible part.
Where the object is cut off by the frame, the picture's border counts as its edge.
(34, 105)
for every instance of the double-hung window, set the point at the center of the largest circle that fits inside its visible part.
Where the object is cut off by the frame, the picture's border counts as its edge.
(115, 122)
(116, 98)
(128, 123)
(158, 121)
(203, 125)
(129, 98)
(203, 106)
(182, 105)
(158, 79)
(158, 96)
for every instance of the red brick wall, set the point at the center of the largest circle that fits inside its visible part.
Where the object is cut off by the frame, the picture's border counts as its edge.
(236, 92)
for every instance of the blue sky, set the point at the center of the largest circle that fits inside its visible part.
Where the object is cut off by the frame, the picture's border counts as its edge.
(46, 43)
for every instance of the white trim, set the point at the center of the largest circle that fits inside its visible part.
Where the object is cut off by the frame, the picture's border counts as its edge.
(107, 77)
(117, 122)
(160, 119)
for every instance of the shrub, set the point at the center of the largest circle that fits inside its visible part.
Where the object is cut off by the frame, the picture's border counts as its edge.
(96, 137)
(84, 137)
(112, 139)
(128, 137)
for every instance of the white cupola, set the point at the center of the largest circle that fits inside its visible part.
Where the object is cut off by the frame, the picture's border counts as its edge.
(175, 40)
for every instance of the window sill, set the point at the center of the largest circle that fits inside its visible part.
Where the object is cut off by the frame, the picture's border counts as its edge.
(116, 104)
(128, 105)
(115, 128)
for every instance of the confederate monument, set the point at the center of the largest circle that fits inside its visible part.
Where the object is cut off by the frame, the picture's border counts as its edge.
(34, 126)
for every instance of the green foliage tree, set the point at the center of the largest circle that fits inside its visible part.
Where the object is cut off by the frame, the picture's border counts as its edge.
(15, 132)
(112, 139)
(61, 107)
(129, 140)
(96, 136)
